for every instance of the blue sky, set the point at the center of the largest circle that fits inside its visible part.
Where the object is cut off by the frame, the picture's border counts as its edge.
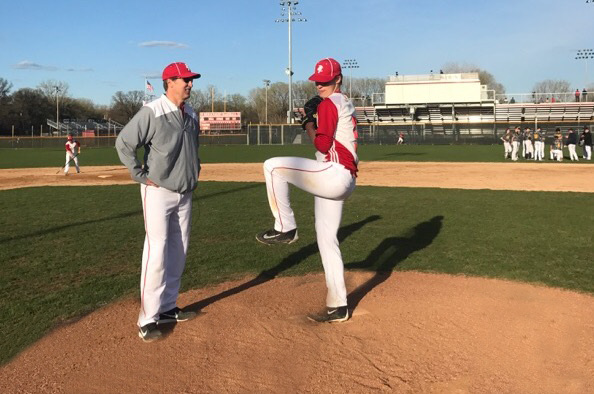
(100, 47)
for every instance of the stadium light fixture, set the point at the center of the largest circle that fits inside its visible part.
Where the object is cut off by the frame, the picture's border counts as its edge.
(57, 109)
(585, 54)
(266, 85)
(289, 9)
(350, 64)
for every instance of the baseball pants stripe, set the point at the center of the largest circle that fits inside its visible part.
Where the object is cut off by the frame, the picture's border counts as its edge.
(167, 218)
(328, 214)
(322, 179)
(331, 184)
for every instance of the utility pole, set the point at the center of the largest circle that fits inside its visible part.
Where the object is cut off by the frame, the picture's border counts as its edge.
(291, 11)
(266, 84)
(212, 99)
(57, 109)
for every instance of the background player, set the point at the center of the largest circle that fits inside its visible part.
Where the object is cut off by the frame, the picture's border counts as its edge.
(538, 142)
(72, 151)
(571, 143)
(557, 147)
(170, 128)
(331, 179)
(507, 144)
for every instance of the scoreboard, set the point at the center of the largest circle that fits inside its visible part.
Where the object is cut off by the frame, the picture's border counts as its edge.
(215, 121)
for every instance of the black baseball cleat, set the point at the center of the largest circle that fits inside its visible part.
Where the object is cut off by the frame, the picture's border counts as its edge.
(175, 315)
(149, 332)
(272, 237)
(333, 315)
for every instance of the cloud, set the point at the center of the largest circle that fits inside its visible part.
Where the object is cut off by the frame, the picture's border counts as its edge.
(86, 69)
(152, 75)
(29, 65)
(166, 44)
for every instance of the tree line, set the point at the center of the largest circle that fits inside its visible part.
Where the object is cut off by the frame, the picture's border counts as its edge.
(31, 107)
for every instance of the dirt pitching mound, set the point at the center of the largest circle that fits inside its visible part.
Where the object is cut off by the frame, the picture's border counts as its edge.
(410, 333)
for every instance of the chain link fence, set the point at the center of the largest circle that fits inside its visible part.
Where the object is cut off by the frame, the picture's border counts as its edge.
(369, 133)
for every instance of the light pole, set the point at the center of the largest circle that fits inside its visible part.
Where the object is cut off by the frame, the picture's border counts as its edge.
(57, 109)
(585, 54)
(291, 11)
(266, 84)
(350, 63)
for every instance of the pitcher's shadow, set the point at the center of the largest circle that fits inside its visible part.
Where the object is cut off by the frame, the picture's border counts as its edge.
(290, 261)
(391, 252)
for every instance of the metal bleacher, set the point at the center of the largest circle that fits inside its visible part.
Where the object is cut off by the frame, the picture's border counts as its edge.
(78, 126)
(545, 112)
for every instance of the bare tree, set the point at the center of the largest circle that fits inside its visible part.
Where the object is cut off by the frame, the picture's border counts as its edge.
(552, 86)
(5, 87)
(125, 105)
(485, 77)
(278, 97)
(48, 89)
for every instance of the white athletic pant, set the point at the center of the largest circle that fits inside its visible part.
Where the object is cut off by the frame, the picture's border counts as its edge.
(529, 147)
(542, 149)
(588, 152)
(515, 148)
(167, 217)
(556, 154)
(572, 153)
(538, 150)
(331, 184)
(67, 166)
(507, 149)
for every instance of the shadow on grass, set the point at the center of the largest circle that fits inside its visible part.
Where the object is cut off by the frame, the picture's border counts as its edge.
(119, 216)
(288, 262)
(391, 252)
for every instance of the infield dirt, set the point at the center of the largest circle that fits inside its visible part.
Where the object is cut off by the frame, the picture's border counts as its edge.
(410, 333)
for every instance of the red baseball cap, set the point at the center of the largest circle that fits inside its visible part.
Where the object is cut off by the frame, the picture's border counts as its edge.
(178, 70)
(326, 70)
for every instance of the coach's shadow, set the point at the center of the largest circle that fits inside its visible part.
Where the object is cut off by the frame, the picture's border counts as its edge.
(288, 262)
(389, 253)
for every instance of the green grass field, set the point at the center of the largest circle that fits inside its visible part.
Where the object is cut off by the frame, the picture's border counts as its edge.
(69, 250)
(22, 158)
(65, 251)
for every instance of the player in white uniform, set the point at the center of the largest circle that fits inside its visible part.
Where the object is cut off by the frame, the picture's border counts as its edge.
(330, 178)
(72, 151)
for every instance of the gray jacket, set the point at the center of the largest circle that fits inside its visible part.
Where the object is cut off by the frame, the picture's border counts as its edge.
(170, 142)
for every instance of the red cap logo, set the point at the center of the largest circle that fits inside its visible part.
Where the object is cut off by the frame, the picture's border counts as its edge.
(178, 70)
(326, 70)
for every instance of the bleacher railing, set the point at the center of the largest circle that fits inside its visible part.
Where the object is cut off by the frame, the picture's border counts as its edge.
(540, 98)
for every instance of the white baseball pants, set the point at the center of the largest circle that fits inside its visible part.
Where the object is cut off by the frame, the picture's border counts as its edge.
(588, 152)
(557, 154)
(67, 166)
(572, 153)
(529, 147)
(507, 149)
(167, 217)
(538, 150)
(515, 148)
(331, 184)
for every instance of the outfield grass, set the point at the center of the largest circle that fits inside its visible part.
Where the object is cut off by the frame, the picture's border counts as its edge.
(23, 158)
(66, 251)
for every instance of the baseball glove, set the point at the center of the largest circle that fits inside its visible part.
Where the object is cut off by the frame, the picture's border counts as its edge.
(311, 109)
